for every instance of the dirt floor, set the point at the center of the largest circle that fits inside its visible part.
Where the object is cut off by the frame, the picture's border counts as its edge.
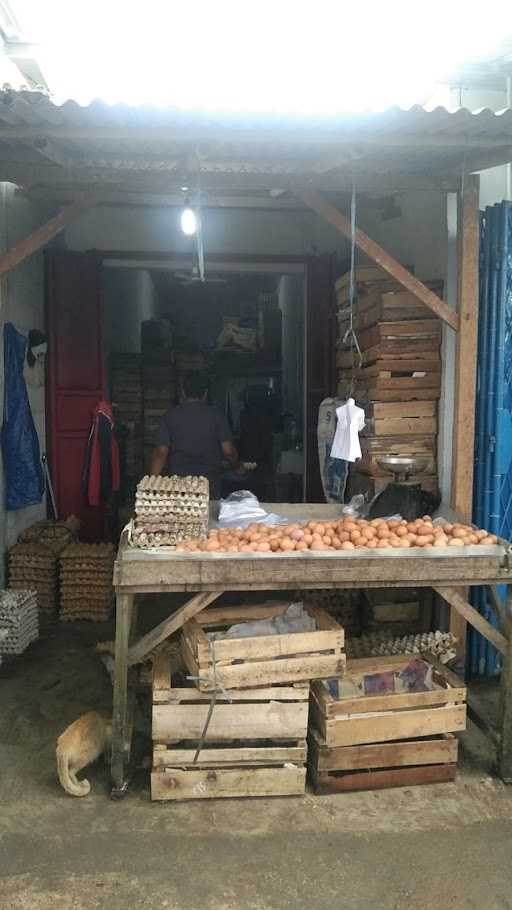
(445, 846)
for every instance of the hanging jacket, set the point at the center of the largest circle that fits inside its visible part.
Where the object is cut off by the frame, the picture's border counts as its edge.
(24, 478)
(101, 476)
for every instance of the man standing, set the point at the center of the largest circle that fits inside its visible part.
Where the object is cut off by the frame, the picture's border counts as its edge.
(194, 438)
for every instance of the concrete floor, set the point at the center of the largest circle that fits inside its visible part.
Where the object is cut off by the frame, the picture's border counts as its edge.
(445, 846)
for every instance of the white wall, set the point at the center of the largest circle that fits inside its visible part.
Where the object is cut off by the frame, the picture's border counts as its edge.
(225, 231)
(22, 303)
(128, 299)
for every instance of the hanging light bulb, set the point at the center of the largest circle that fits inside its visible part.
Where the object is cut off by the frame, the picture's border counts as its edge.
(188, 220)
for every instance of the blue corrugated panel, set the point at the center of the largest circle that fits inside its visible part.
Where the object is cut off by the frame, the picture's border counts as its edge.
(493, 442)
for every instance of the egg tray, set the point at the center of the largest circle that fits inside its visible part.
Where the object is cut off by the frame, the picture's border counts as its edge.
(18, 621)
(380, 644)
(174, 484)
(88, 552)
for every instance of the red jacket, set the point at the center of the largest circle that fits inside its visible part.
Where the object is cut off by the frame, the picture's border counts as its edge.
(101, 475)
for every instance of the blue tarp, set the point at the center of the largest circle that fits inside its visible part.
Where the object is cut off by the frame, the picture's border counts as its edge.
(24, 478)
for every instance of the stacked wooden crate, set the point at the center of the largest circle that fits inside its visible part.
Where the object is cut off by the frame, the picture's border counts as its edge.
(367, 734)
(399, 381)
(255, 692)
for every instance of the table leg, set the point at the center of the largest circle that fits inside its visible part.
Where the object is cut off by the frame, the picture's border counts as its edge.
(121, 720)
(505, 722)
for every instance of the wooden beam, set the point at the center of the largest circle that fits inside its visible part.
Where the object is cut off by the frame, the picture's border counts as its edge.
(452, 596)
(42, 235)
(210, 131)
(397, 271)
(505, 721)
(165, 629)
(466, 352)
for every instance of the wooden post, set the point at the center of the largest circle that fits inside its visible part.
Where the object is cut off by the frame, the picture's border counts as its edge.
(505, 722)
(397, 271)
(41, 236)
(121, 732)
(468, 230)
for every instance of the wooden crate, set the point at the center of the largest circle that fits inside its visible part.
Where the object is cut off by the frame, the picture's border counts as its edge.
(366, 719)
(378, 306)
(365, 742)
(255, 744)
(378, 765)
(266, 660)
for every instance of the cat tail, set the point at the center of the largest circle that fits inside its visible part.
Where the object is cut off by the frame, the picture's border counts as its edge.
(68, 780)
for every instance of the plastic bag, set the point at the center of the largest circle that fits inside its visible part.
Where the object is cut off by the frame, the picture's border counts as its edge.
(242, 508)
(353, 508)
(294, 619)
(24, 478)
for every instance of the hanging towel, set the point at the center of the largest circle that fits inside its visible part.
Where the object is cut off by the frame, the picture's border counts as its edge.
(350, 421)
(101, 475)
(24, 478)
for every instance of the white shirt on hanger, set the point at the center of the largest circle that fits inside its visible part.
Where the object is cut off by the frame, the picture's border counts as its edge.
(346, 439)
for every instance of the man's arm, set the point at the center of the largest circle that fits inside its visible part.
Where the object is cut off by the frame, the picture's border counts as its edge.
(231, 454)
(159, 459)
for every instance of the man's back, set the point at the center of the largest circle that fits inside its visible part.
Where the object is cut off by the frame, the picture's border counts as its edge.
(195, 432)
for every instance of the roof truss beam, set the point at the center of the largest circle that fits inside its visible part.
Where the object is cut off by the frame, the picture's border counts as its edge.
(397, 271)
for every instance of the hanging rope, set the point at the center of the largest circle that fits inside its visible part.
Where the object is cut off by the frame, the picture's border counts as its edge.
(217, 688)
(351, 333)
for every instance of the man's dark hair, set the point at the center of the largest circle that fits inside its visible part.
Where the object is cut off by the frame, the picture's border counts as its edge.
(195, 385)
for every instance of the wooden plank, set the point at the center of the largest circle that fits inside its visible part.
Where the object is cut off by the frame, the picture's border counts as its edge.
(454, 598)
(466, 351)
(269, 647)
(162, 673)
(409, 394)
(265, 672)
(42, 235)
(192, 695)
(401, 426)
(215, 616)
(435, 751)
(181, 784)
(415, 445)
(389, 725)
(276, 721)
(379, 780)
(342, 224)
(264, 755)
(402, 409)
(165, 629)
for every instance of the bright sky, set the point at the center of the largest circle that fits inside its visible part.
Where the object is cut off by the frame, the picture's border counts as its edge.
(324, 57)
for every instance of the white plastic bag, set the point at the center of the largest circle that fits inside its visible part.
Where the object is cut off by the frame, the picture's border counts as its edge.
(242, 508)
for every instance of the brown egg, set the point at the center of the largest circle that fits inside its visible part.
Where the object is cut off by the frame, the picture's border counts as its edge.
(372, 544)
(455, 542)
(327, 540)
(376, 522)
(401, 531)
(459, 533)
(383, 543)
(404, 542)
(423, 539)
(440, 541)
(486, 541)
(308, 539)
(301, 545)
(287, 544)
(317, 544)
(347, 545)
(343, 536)
(355, 536)
(336, 542)
(383, 533)
(393, 523)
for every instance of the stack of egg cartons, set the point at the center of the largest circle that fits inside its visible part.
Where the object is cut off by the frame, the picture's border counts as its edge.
(34, 566)
(169, 510)
(19, 625)
(86, 590)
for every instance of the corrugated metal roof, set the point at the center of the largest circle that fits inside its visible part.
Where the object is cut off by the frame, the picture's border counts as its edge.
(147, 148)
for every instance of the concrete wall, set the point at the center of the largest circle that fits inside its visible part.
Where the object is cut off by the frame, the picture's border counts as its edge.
(225, 231)
(128, 299)
(22, 303)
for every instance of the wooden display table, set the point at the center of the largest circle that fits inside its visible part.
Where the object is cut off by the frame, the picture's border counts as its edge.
(208, 575)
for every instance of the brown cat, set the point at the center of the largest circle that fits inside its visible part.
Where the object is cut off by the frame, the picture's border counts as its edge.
(80, 744)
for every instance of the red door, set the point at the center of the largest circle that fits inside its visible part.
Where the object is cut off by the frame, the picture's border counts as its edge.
(76, 377)
(320, 359)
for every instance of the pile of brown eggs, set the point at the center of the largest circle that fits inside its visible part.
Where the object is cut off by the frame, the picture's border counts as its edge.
(347, 534)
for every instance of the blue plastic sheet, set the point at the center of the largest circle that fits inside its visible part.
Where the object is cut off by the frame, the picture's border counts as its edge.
(24, 478)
